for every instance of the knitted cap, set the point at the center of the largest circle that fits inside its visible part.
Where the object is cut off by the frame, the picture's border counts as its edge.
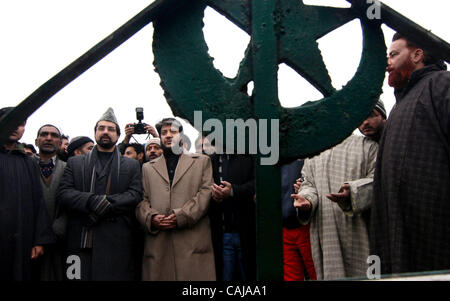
(77, 142)
(153, 141)
(379, 106)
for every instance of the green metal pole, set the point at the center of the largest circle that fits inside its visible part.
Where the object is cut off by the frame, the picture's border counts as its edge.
(268, 178)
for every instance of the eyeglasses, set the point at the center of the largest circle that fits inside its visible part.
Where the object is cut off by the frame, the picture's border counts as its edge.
(101, 128)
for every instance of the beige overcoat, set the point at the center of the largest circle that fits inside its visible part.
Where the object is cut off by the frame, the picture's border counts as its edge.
(184, 253)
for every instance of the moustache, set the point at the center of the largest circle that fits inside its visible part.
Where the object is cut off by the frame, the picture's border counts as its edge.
(366, 127)
(48, 144)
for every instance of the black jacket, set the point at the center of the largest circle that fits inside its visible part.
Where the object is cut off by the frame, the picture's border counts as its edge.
(24, 220)
(115, 229)
(241, 174)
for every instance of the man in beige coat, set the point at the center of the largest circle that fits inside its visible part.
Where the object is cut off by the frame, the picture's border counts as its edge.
(174, 212)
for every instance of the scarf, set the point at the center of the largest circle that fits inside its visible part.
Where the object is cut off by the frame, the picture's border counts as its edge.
(91, 170)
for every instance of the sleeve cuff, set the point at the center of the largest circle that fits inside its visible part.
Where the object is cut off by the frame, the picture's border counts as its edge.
(181, 219)
(304, 217)
(99, 205)
(148, 224)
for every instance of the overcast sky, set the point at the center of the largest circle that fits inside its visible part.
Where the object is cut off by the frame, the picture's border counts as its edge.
(40, 38)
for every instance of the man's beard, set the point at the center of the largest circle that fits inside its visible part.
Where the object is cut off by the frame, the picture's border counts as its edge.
(11, 141)
(108, 144)
(399, 78)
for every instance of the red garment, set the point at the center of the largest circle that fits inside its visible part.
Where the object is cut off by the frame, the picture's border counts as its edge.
(297, 254)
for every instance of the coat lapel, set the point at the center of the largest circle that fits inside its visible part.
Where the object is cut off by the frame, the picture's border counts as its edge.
(184, 163)
(161, 168)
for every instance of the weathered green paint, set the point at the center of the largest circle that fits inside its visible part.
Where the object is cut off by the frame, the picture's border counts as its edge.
(189, 78)
(191, 82)
(282, 31)
(317, 126)
(266, 106)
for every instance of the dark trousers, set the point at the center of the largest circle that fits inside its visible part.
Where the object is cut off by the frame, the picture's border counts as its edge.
(233, 268)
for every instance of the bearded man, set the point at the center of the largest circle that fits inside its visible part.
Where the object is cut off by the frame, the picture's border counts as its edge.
(100, 191)
(410, 221)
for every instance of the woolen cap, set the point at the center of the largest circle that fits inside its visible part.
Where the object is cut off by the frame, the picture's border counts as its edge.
(153, 141)
(77, 142)
(111, 117)
(379, 106)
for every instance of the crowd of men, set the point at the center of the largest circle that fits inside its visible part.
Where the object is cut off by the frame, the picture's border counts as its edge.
(80, 209)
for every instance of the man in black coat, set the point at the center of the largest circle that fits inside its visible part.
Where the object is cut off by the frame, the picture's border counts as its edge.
(100, 191)
(25, 226)
(233, 217)
(410, 216)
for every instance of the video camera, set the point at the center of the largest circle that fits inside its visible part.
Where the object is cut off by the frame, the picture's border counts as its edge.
(139, 128)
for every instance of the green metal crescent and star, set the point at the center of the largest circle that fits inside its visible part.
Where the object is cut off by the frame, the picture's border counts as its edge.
(282, 31)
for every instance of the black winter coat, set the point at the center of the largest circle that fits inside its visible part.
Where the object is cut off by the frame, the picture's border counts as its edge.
(410, 222)
(115, 233)
(24, 221)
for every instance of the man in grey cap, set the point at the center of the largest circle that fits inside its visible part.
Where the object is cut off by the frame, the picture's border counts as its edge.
(100, 191)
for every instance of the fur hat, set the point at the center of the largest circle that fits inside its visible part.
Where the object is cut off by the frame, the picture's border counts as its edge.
(111, 117)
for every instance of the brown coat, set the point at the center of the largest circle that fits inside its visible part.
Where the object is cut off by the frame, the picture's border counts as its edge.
(186, 252)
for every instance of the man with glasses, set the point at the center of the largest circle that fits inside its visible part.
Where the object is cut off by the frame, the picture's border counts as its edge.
(100, 191)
